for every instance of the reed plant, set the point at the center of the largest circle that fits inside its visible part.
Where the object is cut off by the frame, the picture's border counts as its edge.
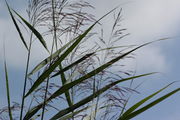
(81, 78)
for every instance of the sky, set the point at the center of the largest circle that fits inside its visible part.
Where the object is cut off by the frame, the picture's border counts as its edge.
(145, 20)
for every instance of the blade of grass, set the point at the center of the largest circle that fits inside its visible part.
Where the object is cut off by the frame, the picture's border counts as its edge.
(46, 73)
(89, 98)
(83, 58)
(129, 116)
(134, 107)
(47, 60)
(7, 86)
(7, 92)
(36, 33)
(63, 78)
(73, 64)
(35, 109)
(16, 25)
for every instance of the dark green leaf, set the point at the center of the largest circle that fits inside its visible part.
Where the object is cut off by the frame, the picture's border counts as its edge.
(17, 27)
(63, 79)
(38, 35)
(8, 93)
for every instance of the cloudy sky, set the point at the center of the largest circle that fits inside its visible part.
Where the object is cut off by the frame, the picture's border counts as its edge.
(146, 20)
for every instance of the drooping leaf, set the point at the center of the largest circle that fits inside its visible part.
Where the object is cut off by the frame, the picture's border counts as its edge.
(47, 72)
(17, 27)
(94, 95)
(36, 33)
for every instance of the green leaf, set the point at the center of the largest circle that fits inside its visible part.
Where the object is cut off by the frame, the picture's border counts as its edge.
(63, 79)
(47, 72)
(73, 64)
(8, 93)
(134, 107)
(17, 27)
(89, 98)
(129, 116)
(51, 57)
(38, 35)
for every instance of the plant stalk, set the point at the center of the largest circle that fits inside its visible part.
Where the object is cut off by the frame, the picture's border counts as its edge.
(26, 77)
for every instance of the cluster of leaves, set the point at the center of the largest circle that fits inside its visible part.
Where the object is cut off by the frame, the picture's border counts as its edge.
(75, 76)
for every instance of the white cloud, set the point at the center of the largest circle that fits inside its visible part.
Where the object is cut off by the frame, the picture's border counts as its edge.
(155, 17)
(146, 20)
(151, 59)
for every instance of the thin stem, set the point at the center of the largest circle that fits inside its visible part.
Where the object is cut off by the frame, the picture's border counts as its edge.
(26, 76)
(47, 83)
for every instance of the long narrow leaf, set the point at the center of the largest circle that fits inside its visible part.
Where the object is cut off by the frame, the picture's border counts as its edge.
(17, 27)
(138, 104)
(46, 73)
(63, 79)
(38, 35)
(7, 91)
(73, 64)
(129, 116)
(47, 60)
(89, 98)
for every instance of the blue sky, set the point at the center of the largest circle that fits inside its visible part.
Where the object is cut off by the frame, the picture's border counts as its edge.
(146, 20)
